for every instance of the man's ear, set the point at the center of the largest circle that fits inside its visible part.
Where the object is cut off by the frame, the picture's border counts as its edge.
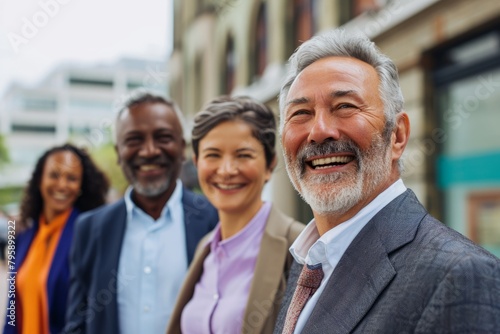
(400, 135)
(118, 160)
(195, 161)
(183, 150)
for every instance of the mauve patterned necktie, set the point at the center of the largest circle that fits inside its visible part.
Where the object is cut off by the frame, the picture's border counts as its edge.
(307, 284)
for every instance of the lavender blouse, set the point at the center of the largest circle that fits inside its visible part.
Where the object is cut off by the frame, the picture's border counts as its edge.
(220, 296)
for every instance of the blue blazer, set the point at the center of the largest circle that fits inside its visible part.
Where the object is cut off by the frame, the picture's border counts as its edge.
(92, 303)
(406, 272)
(58, 280)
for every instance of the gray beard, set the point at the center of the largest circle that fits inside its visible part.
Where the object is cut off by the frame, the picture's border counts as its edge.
(374, 168)
(151, 190)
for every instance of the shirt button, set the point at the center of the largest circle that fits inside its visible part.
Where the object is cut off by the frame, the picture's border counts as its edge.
(216, 296)
(147, 270)
(146, 309)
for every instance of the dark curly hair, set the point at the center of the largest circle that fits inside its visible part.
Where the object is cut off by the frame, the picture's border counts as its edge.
(224, 108)
(94, 186)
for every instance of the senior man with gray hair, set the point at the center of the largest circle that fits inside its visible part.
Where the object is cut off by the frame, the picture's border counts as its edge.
(372, 260)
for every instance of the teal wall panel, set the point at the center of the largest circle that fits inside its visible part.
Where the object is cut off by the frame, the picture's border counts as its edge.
(480, 168)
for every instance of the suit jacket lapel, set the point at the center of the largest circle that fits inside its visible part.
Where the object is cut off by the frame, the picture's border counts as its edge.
(268, 271)
(365, 268)
(187, 290)
(356, 282)
(190, 216)
(23, 245)
(114, 231)
(195, 271)
(61, 255)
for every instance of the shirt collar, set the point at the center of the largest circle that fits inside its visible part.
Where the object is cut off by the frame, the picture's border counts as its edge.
(174, 200)
(310, 248)
(254, 227)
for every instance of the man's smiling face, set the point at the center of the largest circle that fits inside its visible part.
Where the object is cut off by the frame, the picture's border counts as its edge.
(150, 147)
(334, 119)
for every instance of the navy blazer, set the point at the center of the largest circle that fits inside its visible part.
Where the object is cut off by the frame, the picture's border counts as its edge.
(92, 303)
(406, 272)
(57, 281)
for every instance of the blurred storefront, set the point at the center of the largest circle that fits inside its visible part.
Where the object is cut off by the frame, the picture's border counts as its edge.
(448, 55)
(465, 77)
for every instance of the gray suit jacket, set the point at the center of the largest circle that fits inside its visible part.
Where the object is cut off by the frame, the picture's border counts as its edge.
(269, 281)
(406, 272)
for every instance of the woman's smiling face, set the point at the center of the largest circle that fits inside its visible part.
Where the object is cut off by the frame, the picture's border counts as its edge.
(232, 167)
(61, 182)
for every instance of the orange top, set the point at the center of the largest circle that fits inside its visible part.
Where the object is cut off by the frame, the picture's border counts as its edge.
(32, 276)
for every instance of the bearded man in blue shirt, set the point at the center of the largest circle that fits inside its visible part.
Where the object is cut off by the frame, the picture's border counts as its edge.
(129, 258)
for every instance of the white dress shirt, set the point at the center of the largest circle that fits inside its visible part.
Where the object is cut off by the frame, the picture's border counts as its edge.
(152, 267)
(328, 249)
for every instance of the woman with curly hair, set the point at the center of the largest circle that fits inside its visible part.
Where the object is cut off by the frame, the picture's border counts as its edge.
(64, 183)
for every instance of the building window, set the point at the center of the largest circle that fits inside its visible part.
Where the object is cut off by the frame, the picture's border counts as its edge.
(74, 81)
(25, 155)
(361, 6)
(33, 128)
(261, 41)
(85, 105)
(467, 157)
(230, 66)
(305, 21)
(39, 104)
(198, 84)
(131, 85)
(349, 9)
(484, 219)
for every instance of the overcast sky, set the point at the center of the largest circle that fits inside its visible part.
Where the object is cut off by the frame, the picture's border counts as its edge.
(36, 35)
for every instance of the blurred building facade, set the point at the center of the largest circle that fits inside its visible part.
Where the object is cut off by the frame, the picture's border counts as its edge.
(73, 103)
(448, 55)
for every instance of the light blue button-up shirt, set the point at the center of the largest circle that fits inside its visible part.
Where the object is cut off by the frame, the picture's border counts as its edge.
(152, 267)
(328, 249)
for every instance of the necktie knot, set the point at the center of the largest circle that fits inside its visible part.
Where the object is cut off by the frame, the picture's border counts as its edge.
(311, 276)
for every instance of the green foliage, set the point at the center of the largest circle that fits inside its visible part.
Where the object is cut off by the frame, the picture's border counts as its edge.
(4, 152)
(105, 157)
(9, 196)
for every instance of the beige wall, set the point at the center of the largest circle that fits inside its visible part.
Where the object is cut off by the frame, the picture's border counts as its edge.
(405, 42)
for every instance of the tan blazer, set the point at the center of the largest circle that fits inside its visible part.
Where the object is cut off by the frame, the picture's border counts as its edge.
(269, 281)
